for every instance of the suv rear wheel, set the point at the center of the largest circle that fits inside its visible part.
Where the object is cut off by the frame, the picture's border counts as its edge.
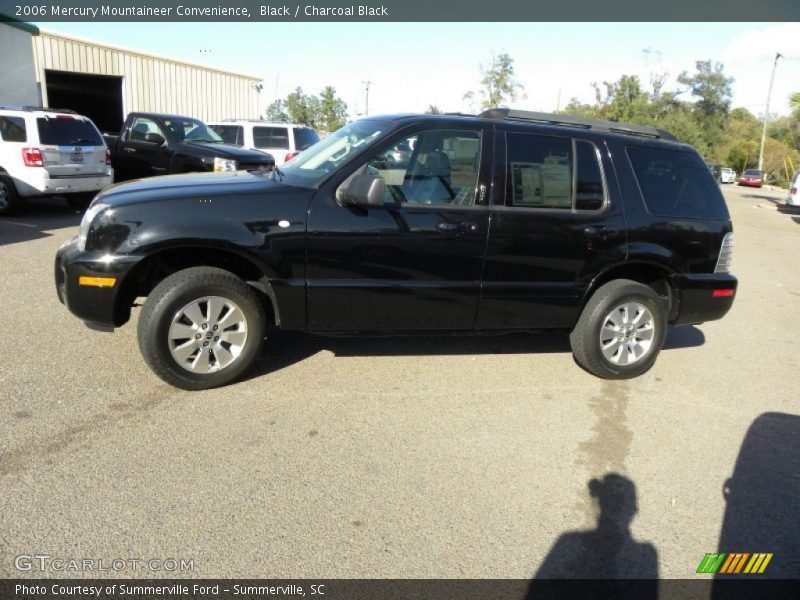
(9, 198)
(620, 331)
(201, 328)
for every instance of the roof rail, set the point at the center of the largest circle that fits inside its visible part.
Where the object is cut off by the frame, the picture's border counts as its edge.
(41, 108)
(579, 122)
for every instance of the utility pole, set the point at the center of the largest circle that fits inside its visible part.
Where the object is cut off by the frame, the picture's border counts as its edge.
(367, 83)
(766, 113)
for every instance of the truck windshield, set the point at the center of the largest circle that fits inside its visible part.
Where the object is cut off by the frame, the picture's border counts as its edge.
(310, 167)
(191, 130)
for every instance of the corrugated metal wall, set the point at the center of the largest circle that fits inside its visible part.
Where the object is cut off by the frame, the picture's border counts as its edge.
(151, 83)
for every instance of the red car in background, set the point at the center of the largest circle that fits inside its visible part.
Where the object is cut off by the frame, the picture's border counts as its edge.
(752, 178)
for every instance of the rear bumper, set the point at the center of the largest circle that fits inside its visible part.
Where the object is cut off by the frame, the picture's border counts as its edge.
(756, 184)
(95, 305)
(697, 302)
(43, 185)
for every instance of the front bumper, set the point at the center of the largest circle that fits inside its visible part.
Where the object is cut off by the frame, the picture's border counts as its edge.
(697, 302)
(95, 305)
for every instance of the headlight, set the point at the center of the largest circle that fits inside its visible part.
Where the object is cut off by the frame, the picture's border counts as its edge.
(86, 223)
(222, 165)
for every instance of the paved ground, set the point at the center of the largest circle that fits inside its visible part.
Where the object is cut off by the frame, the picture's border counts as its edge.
(401, 458)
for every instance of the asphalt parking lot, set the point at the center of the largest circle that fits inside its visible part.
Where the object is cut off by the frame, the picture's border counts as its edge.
(431, 457)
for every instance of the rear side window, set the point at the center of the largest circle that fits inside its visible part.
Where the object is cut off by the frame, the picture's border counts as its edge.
(550, 172)
(676, 183)
(271, 137)
(230, 134)
(66, 131)
(304, 138)
(12, 129)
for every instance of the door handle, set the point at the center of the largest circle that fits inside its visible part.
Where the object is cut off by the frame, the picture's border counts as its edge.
(602, 233)
(130, 150)
(447, 227)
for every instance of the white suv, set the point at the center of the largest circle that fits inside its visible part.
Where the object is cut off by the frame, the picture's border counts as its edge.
(282, 140)
(50, 152)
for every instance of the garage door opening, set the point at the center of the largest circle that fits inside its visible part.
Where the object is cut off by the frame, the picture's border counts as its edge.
(99, 97)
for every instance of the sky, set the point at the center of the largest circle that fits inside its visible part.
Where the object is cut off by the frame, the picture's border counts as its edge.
(413, 65)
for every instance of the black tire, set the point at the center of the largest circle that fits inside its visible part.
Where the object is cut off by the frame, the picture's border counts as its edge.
(10, 201)
(176, 292)
(80, 201)
(585, 338)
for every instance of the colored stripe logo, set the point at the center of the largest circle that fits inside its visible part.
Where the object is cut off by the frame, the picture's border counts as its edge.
(735, 563)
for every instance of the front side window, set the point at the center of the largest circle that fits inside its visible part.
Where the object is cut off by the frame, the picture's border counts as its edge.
(676, 183)
(142, 127)
(12, 129)
(271, 137)
(432, 167)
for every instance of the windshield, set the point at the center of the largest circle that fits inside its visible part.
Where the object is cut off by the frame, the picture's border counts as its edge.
(191, 130)
(311, 166)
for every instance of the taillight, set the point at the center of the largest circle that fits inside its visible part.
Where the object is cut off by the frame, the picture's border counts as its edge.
(726, 293)
(32, 157)
(108, 156)
(725, 255)
(290, 156)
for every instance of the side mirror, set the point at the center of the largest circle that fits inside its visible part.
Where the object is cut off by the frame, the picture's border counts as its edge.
(154, 138)
(362, 190)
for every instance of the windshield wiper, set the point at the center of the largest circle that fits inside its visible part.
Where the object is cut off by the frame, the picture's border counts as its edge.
(80, 141)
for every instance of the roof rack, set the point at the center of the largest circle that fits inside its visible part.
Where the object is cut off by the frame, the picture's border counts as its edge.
(66, 111)
(578, 122)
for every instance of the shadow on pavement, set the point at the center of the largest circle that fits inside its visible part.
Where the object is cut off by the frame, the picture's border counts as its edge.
(762, 513)
(285, 348)
(37, 219)
(607, 552)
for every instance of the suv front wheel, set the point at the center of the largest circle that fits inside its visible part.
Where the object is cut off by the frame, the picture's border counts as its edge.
(620, 331)
(201, 328)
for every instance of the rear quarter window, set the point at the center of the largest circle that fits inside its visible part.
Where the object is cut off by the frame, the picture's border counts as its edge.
(12, 129)
(271, 137)
(676, 183)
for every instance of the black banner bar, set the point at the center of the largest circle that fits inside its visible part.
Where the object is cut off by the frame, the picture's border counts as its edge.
(272, 11)
(743, 587)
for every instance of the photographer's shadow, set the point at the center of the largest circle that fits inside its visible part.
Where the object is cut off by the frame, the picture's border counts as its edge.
(607, 552)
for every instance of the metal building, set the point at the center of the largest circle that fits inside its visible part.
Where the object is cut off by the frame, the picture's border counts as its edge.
(107, 82)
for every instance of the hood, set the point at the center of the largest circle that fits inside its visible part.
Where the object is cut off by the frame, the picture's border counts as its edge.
(192, 185)
(234, 152)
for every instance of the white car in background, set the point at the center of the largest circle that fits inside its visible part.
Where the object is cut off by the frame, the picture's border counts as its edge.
(727, 175)
(50, 152)
(283, 140)
(793, 199)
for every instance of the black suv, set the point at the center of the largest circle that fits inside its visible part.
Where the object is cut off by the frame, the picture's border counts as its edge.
(507, 221)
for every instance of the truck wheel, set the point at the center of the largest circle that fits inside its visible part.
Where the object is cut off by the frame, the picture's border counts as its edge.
(10, 201)
(620, 331)
(201, 328)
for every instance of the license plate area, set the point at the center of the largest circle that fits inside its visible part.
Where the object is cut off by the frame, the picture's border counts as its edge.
(76, 157)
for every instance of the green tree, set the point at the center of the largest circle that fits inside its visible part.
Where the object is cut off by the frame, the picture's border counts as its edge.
(332, 110)
(433, 110)
(277, 111)
(499, 83)
(302, 108)
(711, 86)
